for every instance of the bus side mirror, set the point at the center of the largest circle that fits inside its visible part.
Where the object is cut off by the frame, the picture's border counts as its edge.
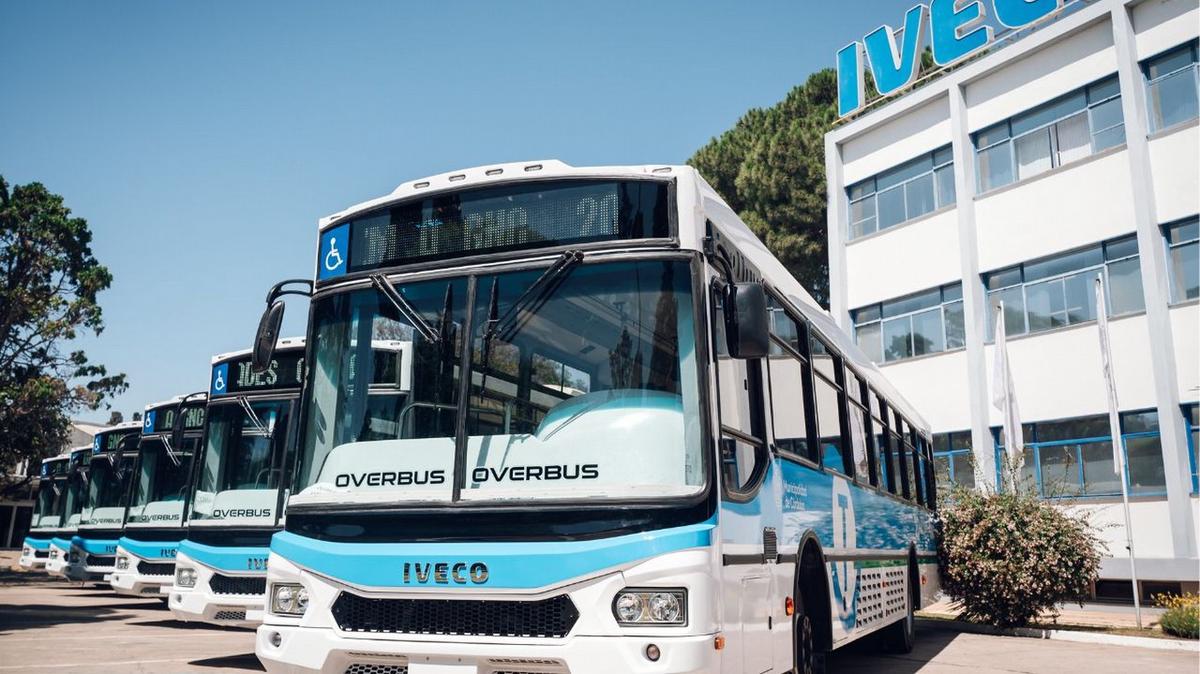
(268, 334)
(746, 320)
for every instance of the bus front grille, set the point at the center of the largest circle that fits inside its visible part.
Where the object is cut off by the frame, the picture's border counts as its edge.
(547, 618)
(156, 568)
(222, 584)
(100, 560)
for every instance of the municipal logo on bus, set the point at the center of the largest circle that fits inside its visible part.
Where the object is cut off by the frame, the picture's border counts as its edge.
(845, 540)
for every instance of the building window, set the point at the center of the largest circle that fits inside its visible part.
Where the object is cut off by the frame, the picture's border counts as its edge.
(1074, 457)
(916, 325)
(1183, 258)
(1064, 130)
(1191, 415)
(1172, 82)
(1058, 291)
(900, 194)
(952, 460)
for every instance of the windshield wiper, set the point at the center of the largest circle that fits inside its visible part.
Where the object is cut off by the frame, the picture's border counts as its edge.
(249, 410)
(406, 309)
(523, 308)
(166, 441)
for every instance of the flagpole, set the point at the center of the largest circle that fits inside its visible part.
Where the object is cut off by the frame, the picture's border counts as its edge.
(1114, 428)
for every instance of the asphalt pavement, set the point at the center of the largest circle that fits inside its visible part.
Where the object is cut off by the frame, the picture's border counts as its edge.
(53, 626)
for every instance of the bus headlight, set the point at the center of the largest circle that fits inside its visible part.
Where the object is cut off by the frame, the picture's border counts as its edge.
(666, 606)
(122, 563)
(289, 599)
(185, 577)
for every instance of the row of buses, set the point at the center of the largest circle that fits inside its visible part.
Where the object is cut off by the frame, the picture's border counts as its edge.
(180, 506)
(551, 420)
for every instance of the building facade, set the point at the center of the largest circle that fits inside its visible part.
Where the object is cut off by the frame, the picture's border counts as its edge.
(1062, 154)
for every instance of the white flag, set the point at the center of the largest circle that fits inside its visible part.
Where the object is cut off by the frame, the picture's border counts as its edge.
(1004, 396)
(1114, 422)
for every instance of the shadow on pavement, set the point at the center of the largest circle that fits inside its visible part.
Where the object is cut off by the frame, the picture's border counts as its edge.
(246, 661)
(28, 616)
(867, 655)
(181, 625)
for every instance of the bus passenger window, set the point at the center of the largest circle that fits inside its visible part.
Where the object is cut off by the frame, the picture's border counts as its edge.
(740, 391)
(786, 367)
(828, 407)
(857, 426)
(738, 461)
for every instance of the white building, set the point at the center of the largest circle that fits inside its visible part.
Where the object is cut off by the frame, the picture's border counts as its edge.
(1063, 153)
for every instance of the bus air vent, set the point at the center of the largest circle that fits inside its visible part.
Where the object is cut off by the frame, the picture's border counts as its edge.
(222, 584)
(101, 560)
(156, 568)
(371, 668)
(545, 618)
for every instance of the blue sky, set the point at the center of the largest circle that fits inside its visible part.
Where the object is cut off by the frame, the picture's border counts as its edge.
(203, 140)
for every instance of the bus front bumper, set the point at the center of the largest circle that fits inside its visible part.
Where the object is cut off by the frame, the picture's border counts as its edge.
(313, 649)
(31, 560)
(201, 604)
(129, 581)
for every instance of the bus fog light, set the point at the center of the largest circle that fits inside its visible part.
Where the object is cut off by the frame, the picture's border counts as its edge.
(122, 563)
(289, 599)
(666, 606)
(275, 638)
(185, 577)
(652, 653)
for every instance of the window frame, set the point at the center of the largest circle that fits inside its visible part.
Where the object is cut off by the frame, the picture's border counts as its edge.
(1175, 294)
(1024, 285)
(940, 200)
(880, 319)
(1055, 160)
(1193, 48)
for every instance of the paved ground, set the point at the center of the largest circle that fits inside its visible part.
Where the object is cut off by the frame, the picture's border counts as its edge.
(1088, 615)
(51, 626)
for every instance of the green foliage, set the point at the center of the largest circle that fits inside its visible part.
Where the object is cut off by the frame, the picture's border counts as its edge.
(49, 280)
(1182, 617)
(770, 168)
(1008, 558)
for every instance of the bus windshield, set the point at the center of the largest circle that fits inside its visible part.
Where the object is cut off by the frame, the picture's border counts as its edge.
(49, 494)
(584, 387)
(160, 486)
(239, 468)
(108, 482)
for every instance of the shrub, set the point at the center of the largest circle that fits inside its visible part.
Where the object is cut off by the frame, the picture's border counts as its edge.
(1008, 558)
(1182, 617)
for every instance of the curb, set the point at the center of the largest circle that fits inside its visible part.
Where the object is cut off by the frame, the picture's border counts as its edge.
(1078, 636)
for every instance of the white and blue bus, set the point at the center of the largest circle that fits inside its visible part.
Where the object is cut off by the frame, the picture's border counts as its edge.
(237, 489)
(154, 518)
(110, 469)
(65, 522)
(52, 489)
(632, 442)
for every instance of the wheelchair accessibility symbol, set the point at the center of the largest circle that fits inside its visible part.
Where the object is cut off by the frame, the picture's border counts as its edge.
(220, 375)
(332, 261)
(148, 422)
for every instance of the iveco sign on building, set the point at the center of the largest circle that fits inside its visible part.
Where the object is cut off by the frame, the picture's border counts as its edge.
(1064, 149)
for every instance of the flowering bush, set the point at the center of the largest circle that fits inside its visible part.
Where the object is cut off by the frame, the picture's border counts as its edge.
(1182, 617)
(1008, 558)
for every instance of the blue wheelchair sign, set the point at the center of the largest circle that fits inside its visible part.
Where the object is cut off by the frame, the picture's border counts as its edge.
(220, 379)
(332, 254)
(148, 421)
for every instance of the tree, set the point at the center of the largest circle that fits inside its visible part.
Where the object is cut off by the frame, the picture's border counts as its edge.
(770, 169)
(49, 280)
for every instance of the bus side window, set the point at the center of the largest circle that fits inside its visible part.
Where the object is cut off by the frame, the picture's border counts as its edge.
(879, 414)
(828, 391)
(858, 423)
(740, 394)
(903, 451)
(790, 384)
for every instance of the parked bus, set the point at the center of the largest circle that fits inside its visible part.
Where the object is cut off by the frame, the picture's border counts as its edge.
(67, 511)
(154, 520)
(102, 519)
(52, 488)
(687, 466)
(237, 491)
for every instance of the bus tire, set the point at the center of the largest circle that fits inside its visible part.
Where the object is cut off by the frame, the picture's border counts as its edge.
(900, 636)
(808, 653)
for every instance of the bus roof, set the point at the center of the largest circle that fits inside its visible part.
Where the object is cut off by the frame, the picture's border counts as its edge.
(283, 343)
(491, 174)
(123, 426)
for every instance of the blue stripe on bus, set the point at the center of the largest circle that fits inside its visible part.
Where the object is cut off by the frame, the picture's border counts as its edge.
(232, 558)
(524, 565)
(96, 546)
(63, 544)
(149, 549)
(37, 543)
